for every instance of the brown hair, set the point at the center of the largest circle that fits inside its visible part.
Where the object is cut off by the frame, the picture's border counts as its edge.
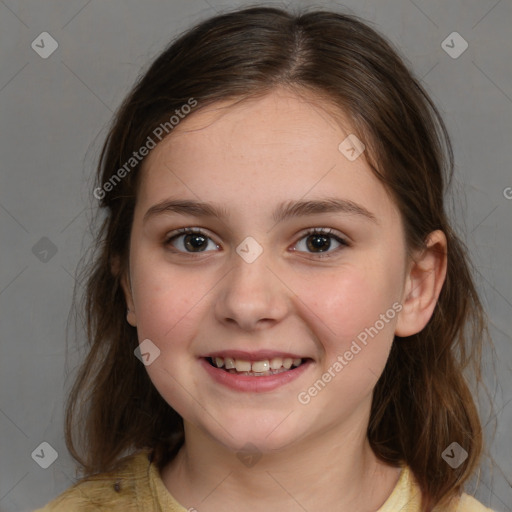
(421, 402)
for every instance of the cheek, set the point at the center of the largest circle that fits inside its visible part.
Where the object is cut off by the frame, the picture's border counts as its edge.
(169, 306)
(354, 339)
(166, 296)
(353, 304)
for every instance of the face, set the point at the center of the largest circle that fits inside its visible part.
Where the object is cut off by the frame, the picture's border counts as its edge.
(265, 278)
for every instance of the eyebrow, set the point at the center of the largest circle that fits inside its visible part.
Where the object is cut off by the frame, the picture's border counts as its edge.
(283, 211)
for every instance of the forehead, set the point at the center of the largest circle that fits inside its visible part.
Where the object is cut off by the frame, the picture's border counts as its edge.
(294, 118)
(276, 147)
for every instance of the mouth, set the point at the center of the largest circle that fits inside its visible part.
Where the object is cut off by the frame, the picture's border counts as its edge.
(261, 368)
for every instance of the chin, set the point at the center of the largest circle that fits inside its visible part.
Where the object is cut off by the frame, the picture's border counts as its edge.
(267, 434)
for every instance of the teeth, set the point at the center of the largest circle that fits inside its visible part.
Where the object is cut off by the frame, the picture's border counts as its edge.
(264, 366)
(260, 366)
(276, 363)
(242, 366)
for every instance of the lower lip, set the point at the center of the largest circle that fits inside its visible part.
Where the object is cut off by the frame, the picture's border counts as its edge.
(254, 384)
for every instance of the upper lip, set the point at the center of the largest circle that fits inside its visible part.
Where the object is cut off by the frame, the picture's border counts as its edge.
(259, 355)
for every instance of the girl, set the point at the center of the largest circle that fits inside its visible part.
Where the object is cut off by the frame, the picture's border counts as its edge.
(279, 312)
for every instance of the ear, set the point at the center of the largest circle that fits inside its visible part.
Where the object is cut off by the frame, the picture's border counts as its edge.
(423, 284)
(127, 290)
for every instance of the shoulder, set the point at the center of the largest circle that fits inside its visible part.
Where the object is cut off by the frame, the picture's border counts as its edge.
(406, 497)
(126, 489)
(467, 503)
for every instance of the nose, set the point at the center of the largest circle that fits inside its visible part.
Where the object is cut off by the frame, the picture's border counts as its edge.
(251, 297)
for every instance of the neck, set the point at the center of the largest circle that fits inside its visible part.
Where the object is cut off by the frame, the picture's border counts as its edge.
(334, 471)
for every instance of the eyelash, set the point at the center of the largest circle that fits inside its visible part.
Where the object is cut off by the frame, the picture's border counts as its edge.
(312, 231)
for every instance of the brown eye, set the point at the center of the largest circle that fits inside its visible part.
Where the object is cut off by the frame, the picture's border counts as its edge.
(320, 240)
(189, 240)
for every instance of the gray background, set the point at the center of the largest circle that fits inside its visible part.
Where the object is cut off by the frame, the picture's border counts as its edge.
(54, 115)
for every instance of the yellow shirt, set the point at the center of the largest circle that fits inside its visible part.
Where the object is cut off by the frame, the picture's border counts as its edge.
(137, 486)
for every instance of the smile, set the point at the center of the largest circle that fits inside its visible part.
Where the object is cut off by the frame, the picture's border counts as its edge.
(261, 368)
(256, 373)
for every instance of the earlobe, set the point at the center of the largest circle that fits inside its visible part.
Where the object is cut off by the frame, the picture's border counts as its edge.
(127, 290)
(423, 285)
(131, 318)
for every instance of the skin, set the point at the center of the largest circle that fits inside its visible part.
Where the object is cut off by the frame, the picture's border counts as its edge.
(249, 157)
